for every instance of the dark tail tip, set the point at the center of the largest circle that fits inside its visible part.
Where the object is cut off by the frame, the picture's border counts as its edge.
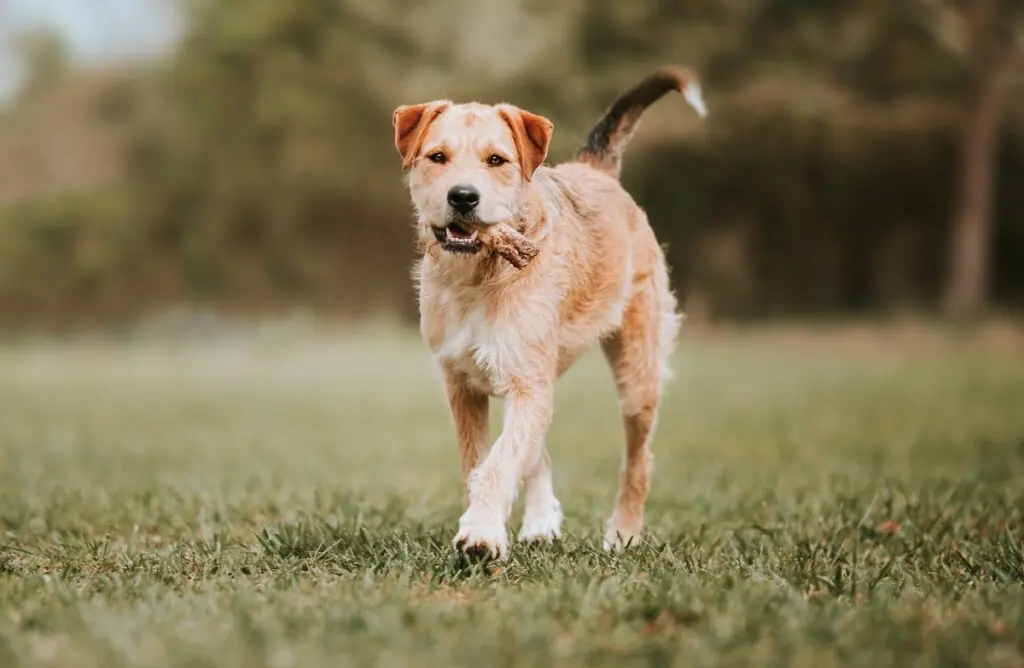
(607, 141)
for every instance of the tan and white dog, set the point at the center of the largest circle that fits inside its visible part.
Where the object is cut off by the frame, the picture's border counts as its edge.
(495, 330)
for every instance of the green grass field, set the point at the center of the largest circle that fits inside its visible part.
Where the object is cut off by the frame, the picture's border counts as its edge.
(830, 498)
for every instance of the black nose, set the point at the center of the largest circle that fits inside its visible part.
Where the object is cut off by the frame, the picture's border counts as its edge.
(463, 198)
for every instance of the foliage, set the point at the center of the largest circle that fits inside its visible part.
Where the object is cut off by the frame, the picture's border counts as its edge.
(260, 167)
(44, 57)
(66, 249)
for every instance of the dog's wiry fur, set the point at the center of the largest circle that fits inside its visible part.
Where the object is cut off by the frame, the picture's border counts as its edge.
(608, 139)
(496, 330)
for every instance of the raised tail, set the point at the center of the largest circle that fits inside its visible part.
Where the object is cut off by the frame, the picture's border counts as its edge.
(608, 139)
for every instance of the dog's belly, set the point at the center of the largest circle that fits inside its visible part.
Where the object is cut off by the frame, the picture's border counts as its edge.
(567, 356)
(494, 380)
(486, 357)
(490, 355)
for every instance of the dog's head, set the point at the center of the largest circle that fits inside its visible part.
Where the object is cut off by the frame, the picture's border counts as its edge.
(468, 165)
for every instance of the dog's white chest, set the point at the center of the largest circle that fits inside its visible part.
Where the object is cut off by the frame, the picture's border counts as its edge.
(475, 348)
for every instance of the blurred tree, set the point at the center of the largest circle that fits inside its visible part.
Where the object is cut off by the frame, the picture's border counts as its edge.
(276, 140)
(991, 36)
(44, 58)
(902, 51)
(261, 169)
(258, 156)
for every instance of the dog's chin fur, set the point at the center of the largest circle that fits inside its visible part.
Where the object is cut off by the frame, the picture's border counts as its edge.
(462, 250)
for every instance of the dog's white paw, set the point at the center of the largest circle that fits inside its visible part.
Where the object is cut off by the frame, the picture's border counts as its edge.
(541, 525)
(481, 539)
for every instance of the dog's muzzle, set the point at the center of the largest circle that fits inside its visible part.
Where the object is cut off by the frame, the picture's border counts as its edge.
(458, 239)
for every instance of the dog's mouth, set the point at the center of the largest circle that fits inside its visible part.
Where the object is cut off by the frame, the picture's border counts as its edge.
(456, 239)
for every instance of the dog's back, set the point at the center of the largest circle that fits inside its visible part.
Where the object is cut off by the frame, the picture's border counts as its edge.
(605, 247)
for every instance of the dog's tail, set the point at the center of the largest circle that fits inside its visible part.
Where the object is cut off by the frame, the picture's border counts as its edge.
(608, 139)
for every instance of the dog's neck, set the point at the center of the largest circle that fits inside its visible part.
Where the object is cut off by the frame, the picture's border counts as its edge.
(534, 218)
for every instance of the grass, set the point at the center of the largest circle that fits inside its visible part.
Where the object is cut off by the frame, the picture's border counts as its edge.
(819, 499)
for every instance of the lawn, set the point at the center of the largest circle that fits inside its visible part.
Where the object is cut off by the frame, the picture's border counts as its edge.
(835, 497)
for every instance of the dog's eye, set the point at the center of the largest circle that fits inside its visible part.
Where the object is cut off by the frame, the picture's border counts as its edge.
(496, 160)
(438, 157)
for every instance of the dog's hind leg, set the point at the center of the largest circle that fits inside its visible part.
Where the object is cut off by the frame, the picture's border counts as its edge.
(639, 356)
(542, 513)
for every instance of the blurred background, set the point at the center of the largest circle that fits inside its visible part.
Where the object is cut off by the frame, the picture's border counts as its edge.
(861, 157)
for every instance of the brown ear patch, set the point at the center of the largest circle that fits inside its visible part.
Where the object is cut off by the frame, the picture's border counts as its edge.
(411, 123)
(532, 135)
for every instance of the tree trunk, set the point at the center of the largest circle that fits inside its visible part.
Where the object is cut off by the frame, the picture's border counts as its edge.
(971, 240)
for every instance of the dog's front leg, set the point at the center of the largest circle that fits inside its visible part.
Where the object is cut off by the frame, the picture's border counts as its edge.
(469, 408)
(492, 485)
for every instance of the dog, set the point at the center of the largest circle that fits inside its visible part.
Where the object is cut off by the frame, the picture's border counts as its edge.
(499, 331)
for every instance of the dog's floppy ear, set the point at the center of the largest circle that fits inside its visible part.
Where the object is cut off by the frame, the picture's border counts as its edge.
(532, 135)
(411, 122)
